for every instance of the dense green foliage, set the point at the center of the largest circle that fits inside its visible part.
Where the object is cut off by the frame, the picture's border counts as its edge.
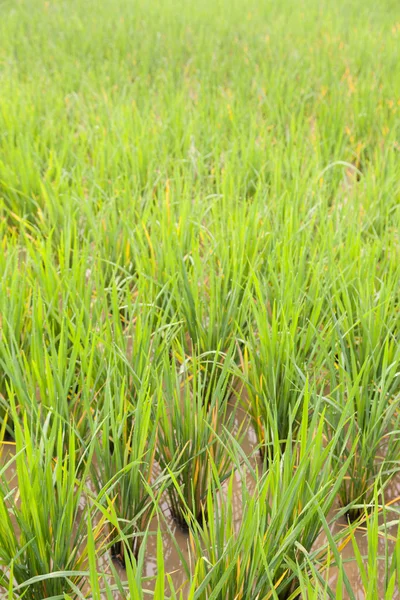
(199, 219)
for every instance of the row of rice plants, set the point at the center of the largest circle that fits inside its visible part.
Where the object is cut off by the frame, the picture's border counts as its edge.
(268, 552)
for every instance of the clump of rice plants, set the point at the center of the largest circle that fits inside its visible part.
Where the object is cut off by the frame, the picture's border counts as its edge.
(282, 351)
(381, 528)
(365, 379)
(133, 585)
(192, 436)
(216, 311)
(124, 438)
(139, 345)
(375, 424)
(375, 573)
(43, 535)
(15, 307)
(50, 351)
(256, 557)
(60, 373)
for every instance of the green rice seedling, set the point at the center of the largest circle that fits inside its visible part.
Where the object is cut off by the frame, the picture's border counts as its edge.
(213, 313)
(373, 568)
(57, 361)
(254, 558)
(282, 351)
(210, 364)
(15, 309)
(134, 584)
(213, 290)
(139, 345)
(124, 439)
(43, 519)
(120, 293)
(119, 249)
(61, 373)
(109, 585)
(382, 527)
(366, 321)
(375, 422)
(191, 436)
(364, 375)
(61, 267)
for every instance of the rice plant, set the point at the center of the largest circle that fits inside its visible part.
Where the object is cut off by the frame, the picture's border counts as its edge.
(375, 424)
(134, 586)
(215, 312)
(139, 344)
(124, 437)
(365, 376)
(15, 306)
(61, 373)
(282, 351)
(374, 572)
(43, 515)
(192, 436)
(255, 557)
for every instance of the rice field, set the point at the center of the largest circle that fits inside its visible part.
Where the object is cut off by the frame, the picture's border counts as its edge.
(199, 300)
